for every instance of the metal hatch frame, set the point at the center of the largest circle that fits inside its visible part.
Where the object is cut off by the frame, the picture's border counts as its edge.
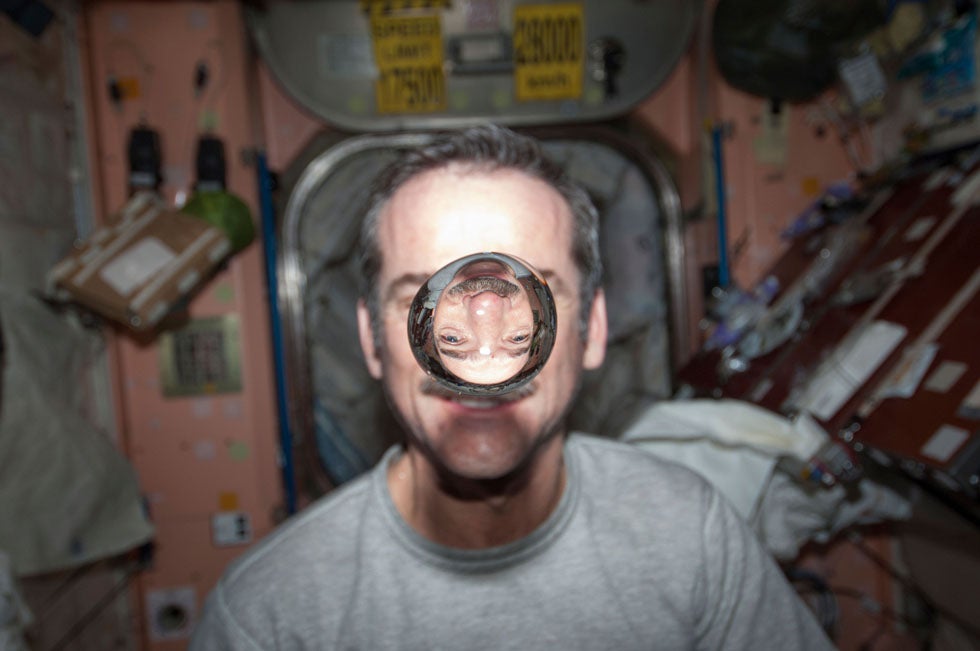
(292, 277)
(281, 32)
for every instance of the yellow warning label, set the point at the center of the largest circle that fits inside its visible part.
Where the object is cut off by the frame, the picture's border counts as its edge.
(228, 501)
(408, 54)
(391, 6)
(129, 87)
(549, 45)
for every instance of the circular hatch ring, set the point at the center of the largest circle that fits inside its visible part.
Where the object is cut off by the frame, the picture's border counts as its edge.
(654, 330)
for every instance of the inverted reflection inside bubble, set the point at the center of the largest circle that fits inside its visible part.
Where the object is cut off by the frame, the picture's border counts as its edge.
(483, 327)
(483, 324)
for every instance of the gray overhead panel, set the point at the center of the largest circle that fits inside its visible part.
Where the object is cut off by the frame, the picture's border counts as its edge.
(369, 65)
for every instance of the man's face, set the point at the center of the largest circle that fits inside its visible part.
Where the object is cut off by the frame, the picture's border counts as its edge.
(434, 219)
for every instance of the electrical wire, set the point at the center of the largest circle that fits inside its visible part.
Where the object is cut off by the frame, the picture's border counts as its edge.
(873, 606)
(845, 134)
(90, 616)
(826, 608)
(857, 540)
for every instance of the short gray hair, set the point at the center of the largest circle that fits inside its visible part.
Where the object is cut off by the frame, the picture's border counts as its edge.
(484, 149)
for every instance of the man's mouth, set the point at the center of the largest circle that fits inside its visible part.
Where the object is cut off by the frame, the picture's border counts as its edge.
(469, 402)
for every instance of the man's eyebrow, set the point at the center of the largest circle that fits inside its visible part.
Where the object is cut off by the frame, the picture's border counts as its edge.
(558, 286)
(455, 354)
(465, 356)
(411, 281)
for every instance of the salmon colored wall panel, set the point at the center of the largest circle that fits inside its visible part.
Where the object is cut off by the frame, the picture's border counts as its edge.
(170, 570)
(288, 126)
(764, 193)
(671, 111)
(764, 198)
(196, 456)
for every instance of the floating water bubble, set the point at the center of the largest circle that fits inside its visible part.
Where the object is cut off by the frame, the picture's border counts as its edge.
(483, 325)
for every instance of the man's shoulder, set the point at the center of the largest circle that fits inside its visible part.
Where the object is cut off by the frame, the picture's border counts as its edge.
(308, 560)
(308, 539)
(631, 477)
(629, 462)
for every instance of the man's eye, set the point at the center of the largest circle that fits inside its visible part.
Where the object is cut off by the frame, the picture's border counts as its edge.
(521, 338)
(451, 339)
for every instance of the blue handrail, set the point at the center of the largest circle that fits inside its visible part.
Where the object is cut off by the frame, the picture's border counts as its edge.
(717, 133)
(269, 244)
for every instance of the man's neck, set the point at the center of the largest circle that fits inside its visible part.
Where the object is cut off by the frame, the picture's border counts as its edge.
(477, 521)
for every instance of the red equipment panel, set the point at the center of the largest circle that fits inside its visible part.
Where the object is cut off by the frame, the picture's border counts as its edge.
(884, 312)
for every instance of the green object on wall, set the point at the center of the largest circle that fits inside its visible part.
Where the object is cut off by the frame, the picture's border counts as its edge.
(227, 212)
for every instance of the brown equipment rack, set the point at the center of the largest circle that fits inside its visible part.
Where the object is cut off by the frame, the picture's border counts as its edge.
(915, 242)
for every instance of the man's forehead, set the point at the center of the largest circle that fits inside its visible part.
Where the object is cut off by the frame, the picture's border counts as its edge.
(452, 208)
(442, 215)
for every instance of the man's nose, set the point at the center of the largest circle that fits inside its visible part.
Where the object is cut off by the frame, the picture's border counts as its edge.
(487, 307)
(486, 316)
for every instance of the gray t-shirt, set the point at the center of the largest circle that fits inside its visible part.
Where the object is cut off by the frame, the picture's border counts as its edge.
(639, 554)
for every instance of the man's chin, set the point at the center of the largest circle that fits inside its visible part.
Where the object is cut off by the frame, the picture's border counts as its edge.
(484, 465)
(478, 463)
(467, 482)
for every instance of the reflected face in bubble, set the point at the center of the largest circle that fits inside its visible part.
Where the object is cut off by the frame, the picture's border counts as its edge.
(482, 329)
(483, 325)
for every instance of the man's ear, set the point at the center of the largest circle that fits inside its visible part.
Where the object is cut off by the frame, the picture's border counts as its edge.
(371, 353)
(595, 338)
